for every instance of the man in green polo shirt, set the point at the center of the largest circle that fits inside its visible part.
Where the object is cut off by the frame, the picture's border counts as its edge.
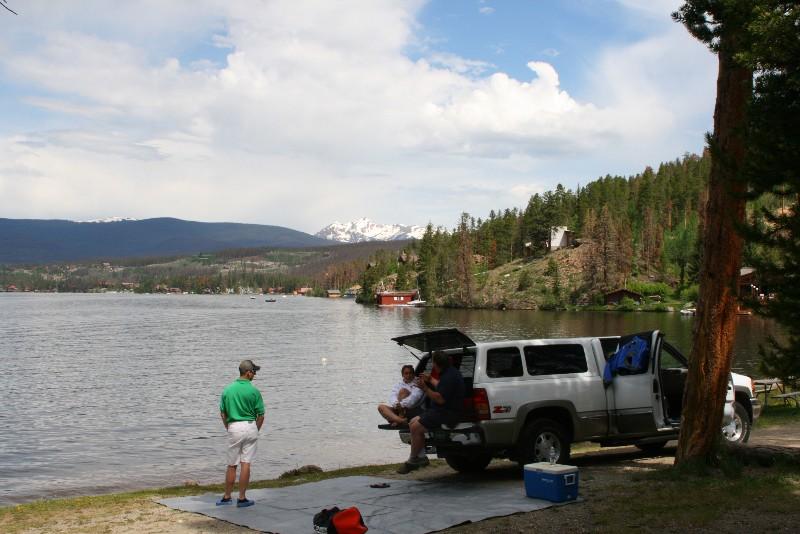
(242, 410)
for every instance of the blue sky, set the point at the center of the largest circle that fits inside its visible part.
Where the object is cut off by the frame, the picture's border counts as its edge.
(299, 113)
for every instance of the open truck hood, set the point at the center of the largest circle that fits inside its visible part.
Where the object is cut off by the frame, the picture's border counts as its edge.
(447, 338)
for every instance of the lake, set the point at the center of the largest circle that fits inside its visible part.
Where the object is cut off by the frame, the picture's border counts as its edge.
(108, 392)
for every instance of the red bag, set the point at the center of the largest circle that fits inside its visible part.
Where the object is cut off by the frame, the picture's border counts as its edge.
(349, 521)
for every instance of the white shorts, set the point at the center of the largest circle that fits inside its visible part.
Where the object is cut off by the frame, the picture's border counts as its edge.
(242, 442)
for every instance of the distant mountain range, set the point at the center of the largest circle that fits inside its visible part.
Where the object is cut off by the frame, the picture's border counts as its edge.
(53, 241)
(365, 230)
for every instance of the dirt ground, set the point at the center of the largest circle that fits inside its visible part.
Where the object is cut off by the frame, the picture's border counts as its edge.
(601, 472)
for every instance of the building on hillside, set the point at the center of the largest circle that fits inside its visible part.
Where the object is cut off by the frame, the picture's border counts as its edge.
(11, 288)
(616, 296)
(561, 237)
(395, 298)
(333, 293)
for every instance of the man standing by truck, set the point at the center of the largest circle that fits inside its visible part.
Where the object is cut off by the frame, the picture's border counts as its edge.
(446, 404)
(242, 411)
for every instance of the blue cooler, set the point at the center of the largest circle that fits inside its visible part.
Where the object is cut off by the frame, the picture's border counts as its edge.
(552, 482)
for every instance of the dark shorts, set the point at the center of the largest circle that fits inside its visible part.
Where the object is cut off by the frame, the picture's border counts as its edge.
(433, 419)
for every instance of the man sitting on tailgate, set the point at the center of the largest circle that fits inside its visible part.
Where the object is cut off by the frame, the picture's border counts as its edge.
(446, 399)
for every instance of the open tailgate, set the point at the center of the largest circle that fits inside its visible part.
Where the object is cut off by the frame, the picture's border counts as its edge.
(443, 339)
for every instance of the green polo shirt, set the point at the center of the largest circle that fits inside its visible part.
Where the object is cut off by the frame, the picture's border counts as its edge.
(241, 401)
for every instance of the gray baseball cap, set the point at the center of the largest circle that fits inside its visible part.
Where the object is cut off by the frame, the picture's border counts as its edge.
(248, 365)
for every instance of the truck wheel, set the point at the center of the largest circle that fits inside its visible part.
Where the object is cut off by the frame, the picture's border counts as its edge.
(468, 463)
(738, 430)
(653, 446)
(536, 440)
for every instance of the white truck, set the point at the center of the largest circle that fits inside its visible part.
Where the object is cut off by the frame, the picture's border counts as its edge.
(528, 399)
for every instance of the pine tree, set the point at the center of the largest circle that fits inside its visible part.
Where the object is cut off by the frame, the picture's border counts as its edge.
(721, 25)
(774, 150)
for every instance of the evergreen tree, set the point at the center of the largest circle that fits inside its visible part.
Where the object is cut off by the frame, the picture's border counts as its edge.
(773, 172)
(721, 24)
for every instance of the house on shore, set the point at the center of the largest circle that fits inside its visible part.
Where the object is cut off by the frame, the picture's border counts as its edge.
(616, 296)
(395, 298)
(333, 293)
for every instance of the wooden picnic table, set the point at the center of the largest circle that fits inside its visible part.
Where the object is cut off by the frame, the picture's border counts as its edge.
(767, 385)
(791, 396)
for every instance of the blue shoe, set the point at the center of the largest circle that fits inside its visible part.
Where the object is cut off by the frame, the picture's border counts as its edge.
(224, 501)
(244, 503)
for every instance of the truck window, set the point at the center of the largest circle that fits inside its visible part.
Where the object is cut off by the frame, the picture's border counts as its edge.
(463, 361)
(555, 359)
(503, 362)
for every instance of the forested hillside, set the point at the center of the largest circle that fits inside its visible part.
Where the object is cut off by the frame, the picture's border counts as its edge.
(639, 232)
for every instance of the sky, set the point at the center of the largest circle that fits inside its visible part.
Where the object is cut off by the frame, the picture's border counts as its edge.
(299, 113)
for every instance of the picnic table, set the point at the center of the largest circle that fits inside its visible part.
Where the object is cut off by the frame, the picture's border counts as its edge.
(766, 386)
(791, 396)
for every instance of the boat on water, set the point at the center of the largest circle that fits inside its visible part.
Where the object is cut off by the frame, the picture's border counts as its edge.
(689, 311)
(417, 303)
(270, 300)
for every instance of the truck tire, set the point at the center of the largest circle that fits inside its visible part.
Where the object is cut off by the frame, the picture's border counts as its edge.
(474, 462)
(538, 437)
(738, 431)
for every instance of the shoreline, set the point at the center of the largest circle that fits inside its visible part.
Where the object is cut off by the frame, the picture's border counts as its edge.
(610, 480)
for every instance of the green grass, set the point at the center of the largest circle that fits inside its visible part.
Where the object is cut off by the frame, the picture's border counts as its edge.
(678, 499)
(778, 414)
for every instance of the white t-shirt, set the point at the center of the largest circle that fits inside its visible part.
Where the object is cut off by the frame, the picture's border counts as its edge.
(413, 399)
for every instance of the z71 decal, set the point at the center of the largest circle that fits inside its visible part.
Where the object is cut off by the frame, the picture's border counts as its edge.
(501, 409)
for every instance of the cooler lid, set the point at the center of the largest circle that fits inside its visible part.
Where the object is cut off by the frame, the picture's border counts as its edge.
(551, 469)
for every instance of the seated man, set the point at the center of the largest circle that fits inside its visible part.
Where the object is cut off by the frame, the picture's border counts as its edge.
(404, 400)
(446, 404)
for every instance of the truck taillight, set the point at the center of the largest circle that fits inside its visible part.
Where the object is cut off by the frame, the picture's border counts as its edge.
(480, 402)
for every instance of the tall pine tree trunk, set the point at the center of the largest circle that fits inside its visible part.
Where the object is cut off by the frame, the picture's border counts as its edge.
(715, 323)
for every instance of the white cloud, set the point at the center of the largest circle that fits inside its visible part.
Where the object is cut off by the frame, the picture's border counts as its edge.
(486, 10)
(308, 115)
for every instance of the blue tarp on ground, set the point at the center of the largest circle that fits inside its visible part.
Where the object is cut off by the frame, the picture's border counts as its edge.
(406, 507)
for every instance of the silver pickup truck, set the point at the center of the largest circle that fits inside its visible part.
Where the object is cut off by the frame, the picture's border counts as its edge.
(526, 399)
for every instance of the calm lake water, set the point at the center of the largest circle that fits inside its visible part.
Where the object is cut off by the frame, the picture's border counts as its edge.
(111, 392)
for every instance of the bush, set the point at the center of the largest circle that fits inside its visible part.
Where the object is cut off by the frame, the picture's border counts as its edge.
(650, 288)
(627, 304)
(550, 303)
(524, 281)
(690, 293)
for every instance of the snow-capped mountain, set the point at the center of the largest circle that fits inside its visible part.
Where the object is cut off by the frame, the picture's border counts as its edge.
(365, 230)
(109, 220)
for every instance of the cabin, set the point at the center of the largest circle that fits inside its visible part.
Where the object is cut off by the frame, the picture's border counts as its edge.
(615, 297)
(561, 237)
(333, 293)
(748, 288)
(395, 298)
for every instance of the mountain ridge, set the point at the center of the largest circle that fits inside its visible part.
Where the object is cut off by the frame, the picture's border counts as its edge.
(38, 241)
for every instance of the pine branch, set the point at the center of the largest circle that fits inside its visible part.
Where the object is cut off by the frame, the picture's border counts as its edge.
(3, 3)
